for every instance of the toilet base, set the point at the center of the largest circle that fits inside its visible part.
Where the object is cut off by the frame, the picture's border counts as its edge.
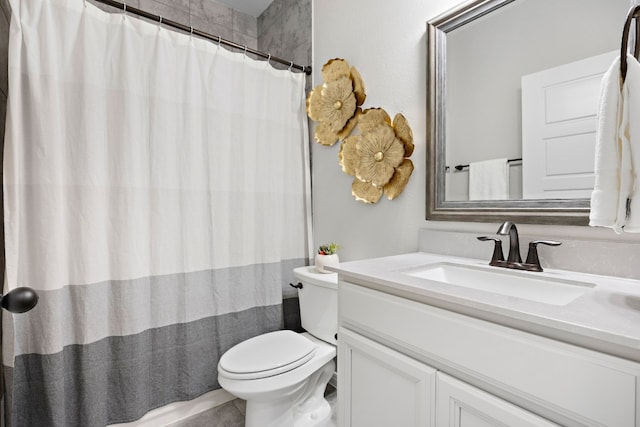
(305, 407)
(316, 418)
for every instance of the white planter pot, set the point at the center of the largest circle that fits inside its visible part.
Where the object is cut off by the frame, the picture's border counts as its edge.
(324, 260)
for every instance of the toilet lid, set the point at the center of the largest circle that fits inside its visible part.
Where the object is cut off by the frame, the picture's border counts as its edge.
(266, 355)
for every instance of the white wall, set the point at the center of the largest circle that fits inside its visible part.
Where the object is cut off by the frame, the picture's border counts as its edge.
(386, 41)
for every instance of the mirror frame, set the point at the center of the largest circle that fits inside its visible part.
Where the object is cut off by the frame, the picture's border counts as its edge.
(543, 211)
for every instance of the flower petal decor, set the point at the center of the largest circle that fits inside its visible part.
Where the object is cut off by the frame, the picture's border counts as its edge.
(404, 133)
(334, 69)
(358, 86)
(350, 126)
(371, 118)
(399, 180)
(325, 136)
(379, 152)
(403, 172)
(365, 191)
(334, 103)
(378, 157)
(348, 155)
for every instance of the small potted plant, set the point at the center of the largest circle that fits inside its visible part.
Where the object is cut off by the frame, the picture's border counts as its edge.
(327, 255)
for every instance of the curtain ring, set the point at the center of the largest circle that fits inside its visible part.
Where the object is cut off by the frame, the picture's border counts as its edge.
(245, 50)
(269, 59)
(290, 65)
(124, 7)
(160, 21)
(219, 40)
(191, 32)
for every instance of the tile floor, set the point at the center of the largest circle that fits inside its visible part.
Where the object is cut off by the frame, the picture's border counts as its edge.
(231, 414)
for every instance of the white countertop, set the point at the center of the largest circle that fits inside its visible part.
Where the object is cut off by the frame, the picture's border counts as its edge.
(605, 318)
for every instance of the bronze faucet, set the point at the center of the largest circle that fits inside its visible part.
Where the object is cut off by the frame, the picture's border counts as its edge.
(509, 228)
(514, 260)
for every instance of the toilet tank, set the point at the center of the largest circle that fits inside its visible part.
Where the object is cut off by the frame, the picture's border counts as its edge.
(318, 303)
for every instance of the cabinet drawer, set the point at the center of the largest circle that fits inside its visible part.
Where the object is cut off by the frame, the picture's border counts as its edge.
(576, 384)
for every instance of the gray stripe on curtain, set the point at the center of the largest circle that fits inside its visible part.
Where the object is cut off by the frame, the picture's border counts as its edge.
(118, 379)
(125, 307)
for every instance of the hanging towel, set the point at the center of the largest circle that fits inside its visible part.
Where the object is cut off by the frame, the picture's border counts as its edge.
(613, 204)
(630, 155)
(489, 180)
(606, 191)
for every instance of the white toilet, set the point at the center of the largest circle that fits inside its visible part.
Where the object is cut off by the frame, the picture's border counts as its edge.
(283, 375)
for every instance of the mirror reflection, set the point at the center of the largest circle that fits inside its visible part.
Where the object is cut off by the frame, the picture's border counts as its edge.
(521, 94)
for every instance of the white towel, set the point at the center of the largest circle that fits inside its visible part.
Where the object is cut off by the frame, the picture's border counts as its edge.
(616, 134)
(630, 165)
(489, 180)
(606, 191)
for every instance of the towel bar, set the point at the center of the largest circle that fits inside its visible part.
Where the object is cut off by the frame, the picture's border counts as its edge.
(461, 167)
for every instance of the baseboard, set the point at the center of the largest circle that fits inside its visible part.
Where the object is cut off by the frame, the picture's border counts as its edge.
(172, 413)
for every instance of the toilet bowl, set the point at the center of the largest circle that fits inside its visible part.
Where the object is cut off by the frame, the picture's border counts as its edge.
(283, 375)
(294, 394)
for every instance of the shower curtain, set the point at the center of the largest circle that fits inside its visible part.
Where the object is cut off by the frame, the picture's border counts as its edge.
(156, 196)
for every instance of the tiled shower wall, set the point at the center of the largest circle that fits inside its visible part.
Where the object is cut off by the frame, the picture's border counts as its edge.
(204, 15)
(283, 29)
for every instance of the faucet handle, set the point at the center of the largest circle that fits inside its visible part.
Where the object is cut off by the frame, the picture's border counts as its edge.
(532, 256)
(497, 256)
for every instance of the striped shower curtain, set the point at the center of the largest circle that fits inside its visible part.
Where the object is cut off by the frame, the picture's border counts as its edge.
(156, 198)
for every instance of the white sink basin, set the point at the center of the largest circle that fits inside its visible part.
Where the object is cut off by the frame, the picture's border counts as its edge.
(545, 289)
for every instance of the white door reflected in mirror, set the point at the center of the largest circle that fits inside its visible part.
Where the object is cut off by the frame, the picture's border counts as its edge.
(559, 114)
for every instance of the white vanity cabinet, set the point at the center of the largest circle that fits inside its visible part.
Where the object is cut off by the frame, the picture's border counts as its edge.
(407, 363)
(384, 387)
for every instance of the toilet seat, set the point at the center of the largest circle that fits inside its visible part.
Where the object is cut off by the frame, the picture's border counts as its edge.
(266, 355)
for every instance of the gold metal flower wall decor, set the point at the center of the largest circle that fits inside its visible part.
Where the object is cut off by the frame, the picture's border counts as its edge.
(378, 158)
(334, 104)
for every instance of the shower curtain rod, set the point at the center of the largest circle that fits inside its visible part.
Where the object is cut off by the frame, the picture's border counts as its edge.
(129, 9)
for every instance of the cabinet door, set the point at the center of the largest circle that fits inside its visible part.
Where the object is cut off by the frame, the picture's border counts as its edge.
(379, 387)
(462, 405)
